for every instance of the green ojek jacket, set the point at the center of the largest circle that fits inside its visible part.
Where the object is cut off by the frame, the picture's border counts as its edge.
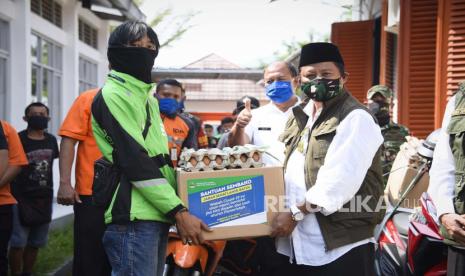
(147, 189)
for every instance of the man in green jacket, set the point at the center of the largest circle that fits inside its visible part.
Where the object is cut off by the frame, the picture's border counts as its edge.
(130, 134)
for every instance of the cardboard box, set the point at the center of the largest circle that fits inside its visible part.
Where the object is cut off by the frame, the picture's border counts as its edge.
(232, 202)
(402, 174)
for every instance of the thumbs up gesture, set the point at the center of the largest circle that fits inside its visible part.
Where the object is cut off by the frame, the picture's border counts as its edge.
(244, 117)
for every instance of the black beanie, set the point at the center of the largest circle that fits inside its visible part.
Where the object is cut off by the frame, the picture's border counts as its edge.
(319, 52)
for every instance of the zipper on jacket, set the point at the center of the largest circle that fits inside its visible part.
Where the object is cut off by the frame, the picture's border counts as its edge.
(118, 78)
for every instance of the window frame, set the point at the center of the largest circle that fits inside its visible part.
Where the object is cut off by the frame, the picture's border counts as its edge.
(56, 17)
(93, 36)
(84, 83)
(5, 56)
(54, 75)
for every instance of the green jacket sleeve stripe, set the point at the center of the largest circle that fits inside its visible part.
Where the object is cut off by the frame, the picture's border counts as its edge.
(150, 183)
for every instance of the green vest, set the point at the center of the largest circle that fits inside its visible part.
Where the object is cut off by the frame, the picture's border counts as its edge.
(339, 228)
(456, 130)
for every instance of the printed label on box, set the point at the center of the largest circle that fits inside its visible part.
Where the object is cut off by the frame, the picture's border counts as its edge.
(228, 201)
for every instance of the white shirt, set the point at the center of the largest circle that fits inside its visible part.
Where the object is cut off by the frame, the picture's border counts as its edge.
(348, 159)
(267, 123)
(442, 173)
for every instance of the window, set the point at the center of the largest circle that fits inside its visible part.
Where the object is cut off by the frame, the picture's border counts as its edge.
(47, 9)
(87, 74)
(87, 34)
(4, 56)
(46, 74)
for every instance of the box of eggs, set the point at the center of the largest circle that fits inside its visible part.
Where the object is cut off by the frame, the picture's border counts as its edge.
(235, 203)
(230, 190)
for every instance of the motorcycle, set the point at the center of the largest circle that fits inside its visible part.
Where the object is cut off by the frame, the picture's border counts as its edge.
(426, 251)
(395, 235)
(192, 260)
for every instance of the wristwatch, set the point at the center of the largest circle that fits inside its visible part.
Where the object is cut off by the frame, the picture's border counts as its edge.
(297, 215)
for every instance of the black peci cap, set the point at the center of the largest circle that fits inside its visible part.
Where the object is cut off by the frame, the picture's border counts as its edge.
(319, 52)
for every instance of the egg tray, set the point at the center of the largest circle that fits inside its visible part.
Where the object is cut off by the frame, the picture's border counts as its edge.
(248, 156)
(202, 160)
(243, 157)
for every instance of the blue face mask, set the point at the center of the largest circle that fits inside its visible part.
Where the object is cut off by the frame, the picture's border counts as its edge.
(279, 91)
(168, 106)
(181, 106)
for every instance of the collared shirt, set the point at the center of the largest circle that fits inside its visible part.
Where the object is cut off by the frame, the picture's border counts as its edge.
(442, 173)
(267, 123)
(78, 126)
(349, 156)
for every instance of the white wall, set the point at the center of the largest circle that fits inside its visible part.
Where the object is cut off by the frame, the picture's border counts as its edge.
(99, 55)
(22, 22)
(20, 68)
(8, 12)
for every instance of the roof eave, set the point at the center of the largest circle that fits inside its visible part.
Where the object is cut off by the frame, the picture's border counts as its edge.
(249, 74)
(129, 9)
(119, 10)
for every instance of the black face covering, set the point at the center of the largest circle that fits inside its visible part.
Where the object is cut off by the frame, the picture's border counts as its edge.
(381, 112)
(37, 122)
(383, 117)
(134, 61)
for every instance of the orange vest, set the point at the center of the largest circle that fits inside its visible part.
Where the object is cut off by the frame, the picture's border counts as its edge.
(180, 135)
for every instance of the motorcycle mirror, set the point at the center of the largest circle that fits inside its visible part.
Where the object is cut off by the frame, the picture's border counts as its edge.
(427, 147)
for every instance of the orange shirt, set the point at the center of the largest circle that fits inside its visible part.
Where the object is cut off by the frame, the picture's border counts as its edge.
(180, 135)
(78, 126)
(16, 157)
(203, 139)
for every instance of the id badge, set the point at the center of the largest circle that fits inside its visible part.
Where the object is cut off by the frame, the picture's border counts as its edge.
(174, 154)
